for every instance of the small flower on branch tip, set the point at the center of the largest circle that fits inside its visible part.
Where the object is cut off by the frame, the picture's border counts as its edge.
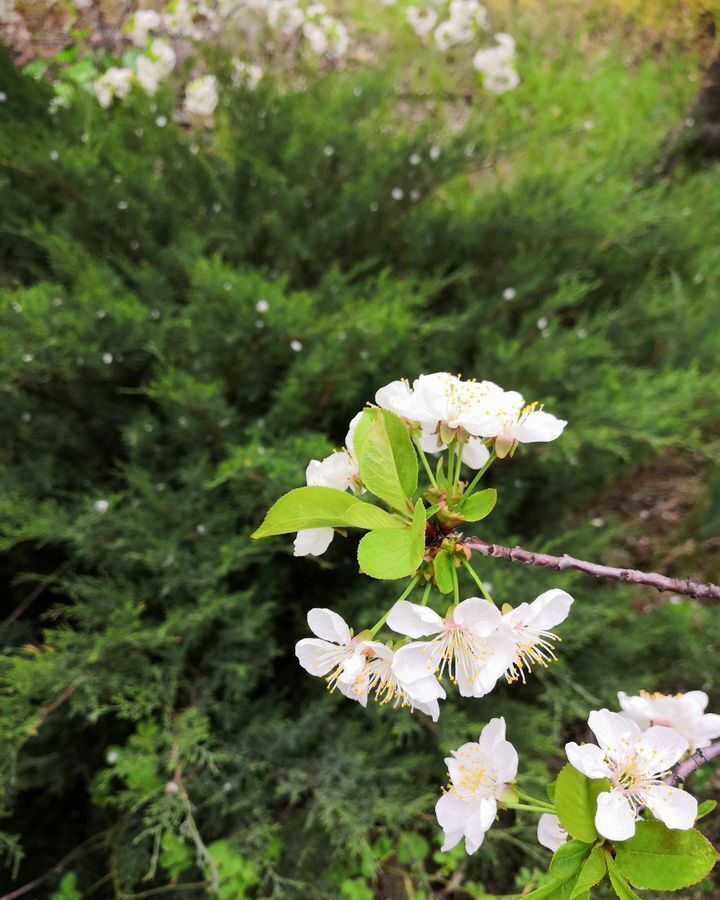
(550, 832)
(637, 763)
(480, 773)
(683, 712)
(470, 643)
(334, 652)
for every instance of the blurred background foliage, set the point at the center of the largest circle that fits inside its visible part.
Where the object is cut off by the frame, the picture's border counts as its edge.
(156, 733)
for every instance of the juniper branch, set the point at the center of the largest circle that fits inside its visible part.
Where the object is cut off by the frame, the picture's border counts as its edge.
(631, 576)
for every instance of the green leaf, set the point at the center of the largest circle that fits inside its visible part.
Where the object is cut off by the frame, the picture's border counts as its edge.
(568, 859)
(592, 872)
(443, 566)
(387, 458)
(560, 889)
(705, 808)
(479, 505)
(619, 884)
(322, 507)
(576, 803)
(390, 553)
(662, 859)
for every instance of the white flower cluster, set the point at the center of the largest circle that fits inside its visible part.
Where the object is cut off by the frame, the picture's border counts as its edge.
(635, 750)
(475, 644)
(476, 413)
(634, 753)
(305, 24)
(460, 22)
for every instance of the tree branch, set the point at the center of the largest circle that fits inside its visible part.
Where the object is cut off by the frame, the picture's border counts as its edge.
(632, 576)
(699, 759)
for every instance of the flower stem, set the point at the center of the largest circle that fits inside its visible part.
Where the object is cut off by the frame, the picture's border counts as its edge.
(456, 586)
(426, 594)
(535, 801)
(478, 582)
(528, 808)
(426, 464)
(460, 451)
(406, 593)
(473, 484)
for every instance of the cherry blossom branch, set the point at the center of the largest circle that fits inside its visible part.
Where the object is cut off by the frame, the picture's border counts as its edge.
(699, 759)
(632, 576)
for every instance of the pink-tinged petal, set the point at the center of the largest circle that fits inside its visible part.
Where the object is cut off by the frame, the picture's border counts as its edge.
(416, 660)
(317, 657)
(478, 616)
(312, 541)
(613, 732)
(328, 625)
(538, 426)
(550, 832)
(550, 609)
(676, 808)
(615, 818)
(414, 620)
(479, 823)
(476, 454)
(588, 759)
(659, 748)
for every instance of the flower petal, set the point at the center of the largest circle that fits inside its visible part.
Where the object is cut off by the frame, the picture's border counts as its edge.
(614, 733)
(317, 657)
(635, 709)
(416, 660)
(538, 426)
(328, 625)
(414, 620)
(550, 609)
(706, 730)
(550, 832)
(452, 812)
(430, 708)
(423, 690)
(614, 818)
(478, 616)
(676, 808)
(659, 748)
(478, 823)
(475, 454)
(499, 751)
(312, 541)
(588, 759)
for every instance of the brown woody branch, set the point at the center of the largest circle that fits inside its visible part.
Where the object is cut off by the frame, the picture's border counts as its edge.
(631, 576)
(699, 759)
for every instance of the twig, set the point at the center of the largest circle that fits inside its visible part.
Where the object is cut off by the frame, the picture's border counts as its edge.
(165, 889)
(631, 576)
(32, 596)
(699, 759)
(85, 847)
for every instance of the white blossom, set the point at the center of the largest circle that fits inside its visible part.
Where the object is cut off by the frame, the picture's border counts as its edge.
(636, 763)
(683, 712)
(422, 21)
(201, 96)
(550, 832)
(144, 21)
(380, 678)
(480, 773)
(496, 63)
(246, 75)
(471, 643)
(528, 626)
(155, 65)
(333, 652)
(116, 82)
